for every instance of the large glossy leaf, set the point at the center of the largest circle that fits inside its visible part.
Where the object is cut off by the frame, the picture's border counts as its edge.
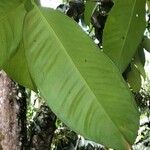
(16, 67)
(11, 21)
(80, 83)
(124, 30)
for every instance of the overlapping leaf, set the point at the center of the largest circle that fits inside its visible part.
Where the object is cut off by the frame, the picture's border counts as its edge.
(141, 54)
(138, 61)
(134, 79)
(17, 68)
(80, 83)
(136, 70)
(11, 22)
(123, 31)
(146, 43)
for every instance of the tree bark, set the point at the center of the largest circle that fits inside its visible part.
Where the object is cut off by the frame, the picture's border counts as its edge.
(12, 115)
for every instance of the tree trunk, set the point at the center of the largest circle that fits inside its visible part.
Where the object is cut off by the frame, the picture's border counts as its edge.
(12, 115)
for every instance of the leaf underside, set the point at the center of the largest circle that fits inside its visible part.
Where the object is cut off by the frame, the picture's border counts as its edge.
(80, 83)
(17, 69)
(10, 27)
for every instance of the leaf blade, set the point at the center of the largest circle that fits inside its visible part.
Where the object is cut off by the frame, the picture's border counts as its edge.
(139, 61)
(71, 75)
(120, 38)
(11, 22)
(134, 79)
(16, 67)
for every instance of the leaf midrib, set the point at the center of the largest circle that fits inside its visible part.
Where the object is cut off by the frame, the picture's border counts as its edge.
(82, 79)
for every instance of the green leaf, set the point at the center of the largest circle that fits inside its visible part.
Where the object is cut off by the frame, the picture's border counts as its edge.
(146, 43)
(11, 22)
(141, 54)
(89, 7)
(124, 30)
(17, 69)
(80, 83)
(138, 62)
(134, 78)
